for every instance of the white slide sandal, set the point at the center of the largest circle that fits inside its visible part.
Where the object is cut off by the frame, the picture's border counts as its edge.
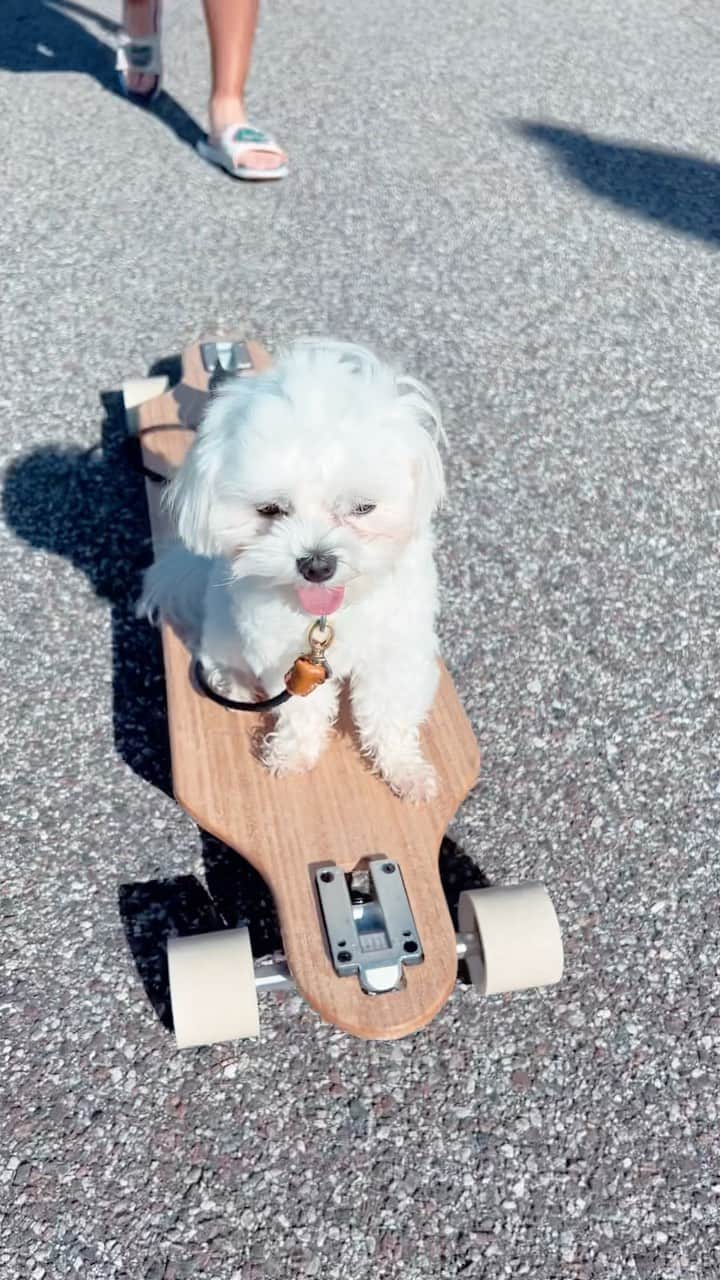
(142, 55)
(234, 142)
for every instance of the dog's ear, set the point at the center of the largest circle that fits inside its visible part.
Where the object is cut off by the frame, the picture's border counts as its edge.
(188, 498)
(422, 408)
(192, 497)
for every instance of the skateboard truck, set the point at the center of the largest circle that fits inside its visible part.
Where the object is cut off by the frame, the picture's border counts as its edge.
(272, 972)
(224, 360)
(374, 937)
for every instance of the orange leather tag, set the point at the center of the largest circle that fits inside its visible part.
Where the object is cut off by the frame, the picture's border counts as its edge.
(304, 676)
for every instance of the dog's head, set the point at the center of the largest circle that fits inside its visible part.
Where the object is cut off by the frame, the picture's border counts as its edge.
(314, 474)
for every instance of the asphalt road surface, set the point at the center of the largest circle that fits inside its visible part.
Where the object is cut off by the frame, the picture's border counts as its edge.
(521, 203)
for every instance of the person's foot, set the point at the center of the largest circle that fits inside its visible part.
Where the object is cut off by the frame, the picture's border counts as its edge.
(140, 18)
(224, 112)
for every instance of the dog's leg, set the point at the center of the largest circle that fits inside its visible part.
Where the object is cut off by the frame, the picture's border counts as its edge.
(231, 682)
(220, 653)
(390, 702)
(301, 731)
(225, 670)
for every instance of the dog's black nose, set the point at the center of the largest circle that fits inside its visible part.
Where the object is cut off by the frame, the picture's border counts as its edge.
(318, 567)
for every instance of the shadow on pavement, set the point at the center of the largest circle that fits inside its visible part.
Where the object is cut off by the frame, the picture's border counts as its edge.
(680, 191)
(51, 35)
(88, 506)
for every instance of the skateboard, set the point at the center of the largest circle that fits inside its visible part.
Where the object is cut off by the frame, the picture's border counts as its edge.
(367, 936)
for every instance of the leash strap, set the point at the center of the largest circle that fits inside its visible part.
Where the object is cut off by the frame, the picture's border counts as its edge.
(268, 704)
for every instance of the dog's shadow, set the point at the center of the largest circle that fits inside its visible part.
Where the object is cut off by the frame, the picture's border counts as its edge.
(89, 506)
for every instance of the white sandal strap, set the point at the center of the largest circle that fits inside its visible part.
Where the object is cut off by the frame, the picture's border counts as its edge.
(141, 54)
(254, 140)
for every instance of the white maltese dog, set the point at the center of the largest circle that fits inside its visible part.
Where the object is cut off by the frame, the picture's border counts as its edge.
(309, 491)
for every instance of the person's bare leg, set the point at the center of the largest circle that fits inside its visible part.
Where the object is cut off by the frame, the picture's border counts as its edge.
(140, 19)
(231, 29)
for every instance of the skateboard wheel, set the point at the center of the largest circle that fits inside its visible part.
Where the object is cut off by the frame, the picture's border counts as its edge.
(519, 936)
(137, 391)
(212, 987)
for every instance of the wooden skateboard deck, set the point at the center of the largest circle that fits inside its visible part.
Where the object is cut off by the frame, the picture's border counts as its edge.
(339, 813)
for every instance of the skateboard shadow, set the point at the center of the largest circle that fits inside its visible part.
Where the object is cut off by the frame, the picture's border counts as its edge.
(40, 36)
(681, 191)
(89, 506)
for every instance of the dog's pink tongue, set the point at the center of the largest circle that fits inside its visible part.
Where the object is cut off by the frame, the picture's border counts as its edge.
(320, 600)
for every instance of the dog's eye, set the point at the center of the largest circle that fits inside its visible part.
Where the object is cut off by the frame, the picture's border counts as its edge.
(271, 509)
(363, 508)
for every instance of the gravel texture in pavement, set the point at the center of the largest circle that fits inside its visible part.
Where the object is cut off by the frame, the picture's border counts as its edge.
(521, 203)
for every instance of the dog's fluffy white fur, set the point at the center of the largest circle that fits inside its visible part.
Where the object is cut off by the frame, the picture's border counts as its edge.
(329, 453)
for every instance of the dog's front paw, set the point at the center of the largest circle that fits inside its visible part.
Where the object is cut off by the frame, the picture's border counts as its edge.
(417, 783)
(284, 759)
(227, 684)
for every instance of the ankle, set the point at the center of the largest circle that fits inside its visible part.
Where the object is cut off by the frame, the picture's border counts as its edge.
(224, 110)
(141, 17)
